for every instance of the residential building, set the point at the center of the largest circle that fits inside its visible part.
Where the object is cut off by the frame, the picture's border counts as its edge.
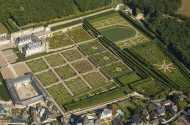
(105, 114)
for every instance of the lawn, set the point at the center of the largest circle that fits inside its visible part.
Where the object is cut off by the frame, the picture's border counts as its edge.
(129, 78)
(4, 95)
(55, 60)
(37, 65)
(2, 28)
(118, 33)
(59, 93)
(78, 35)
(116, 69)
(95, 79)
(72, 55)
(82, 66)
(59, 40)
(65, 72)
(185, 8)
(104, 58)
(77, 85)
(92, 48)
(47, 78)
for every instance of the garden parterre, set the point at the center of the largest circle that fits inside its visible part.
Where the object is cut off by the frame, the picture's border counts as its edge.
(72, 55)
(55, 60)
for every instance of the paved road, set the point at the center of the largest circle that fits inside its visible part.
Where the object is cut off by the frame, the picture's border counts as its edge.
(79, 18)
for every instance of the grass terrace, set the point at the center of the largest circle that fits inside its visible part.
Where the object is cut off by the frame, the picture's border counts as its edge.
(2, 28)
(77, 85)
(95, 79)
(37, 65)
(47, 78)
(82, 66)
(104, 58)
(72, 55)
(92, 48)
(65, 72)
(55, 60)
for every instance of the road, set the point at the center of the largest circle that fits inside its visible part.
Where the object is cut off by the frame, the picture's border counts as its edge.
(79, 18)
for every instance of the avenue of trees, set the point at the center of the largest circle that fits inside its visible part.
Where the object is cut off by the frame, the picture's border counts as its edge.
(171, 28)
(23, 12)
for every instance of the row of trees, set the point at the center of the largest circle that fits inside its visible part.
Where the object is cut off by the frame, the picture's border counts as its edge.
(171, 28)
(28, 11)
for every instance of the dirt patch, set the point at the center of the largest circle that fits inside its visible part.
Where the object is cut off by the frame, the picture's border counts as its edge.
(185, 8)
(12, 58)
(20, 69)
(7, 73)
(8, 52)
(7, 46)
(2, 62)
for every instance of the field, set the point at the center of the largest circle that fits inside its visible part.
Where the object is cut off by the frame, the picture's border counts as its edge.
(2, 28)
(59, 93)
(92, 48)
(78, 35)
(129, 78)
(149, 88)
(116, 69)
(47, 78)
(55, 60)
(65, 72)
(152, 54)
(118, 33)
(95, 79)
(77, 85)
(185, 9)
(82, 66)
(59, 40)
(104, 58)
(71, 55)
(37, 65)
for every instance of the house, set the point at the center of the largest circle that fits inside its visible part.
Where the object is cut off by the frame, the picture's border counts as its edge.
(3, 112)
(154, 122)
(135, 120)
(182, 97)
(166, 102)
(88, 120)
(117, 121)
(153, 115)
(105, 114)
(17, 121)
(160, 111)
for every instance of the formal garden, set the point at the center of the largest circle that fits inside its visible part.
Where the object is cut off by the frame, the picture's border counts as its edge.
(55, 60)
(71, 55)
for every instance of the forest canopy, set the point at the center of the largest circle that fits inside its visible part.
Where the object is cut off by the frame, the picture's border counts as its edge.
(23, 12)
(171, 28)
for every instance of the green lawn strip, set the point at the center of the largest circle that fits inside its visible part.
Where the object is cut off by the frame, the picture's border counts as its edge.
(2, 28)
(120, 33)
(65, 72)
(91, 48)
(4, 95)
(47, 78)
(71, 55)
(129, 78)
(55, 60)
(94, 100)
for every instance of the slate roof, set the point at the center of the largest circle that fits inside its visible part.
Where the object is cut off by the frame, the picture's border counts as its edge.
(18, 120)
(135, 119)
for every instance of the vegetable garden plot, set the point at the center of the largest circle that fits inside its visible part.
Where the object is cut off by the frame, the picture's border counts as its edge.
(47, 78)
(72, 55)
(37, 65)
(95, 79)
(92, 48)
(82, 66)
(77, 85)
(55, 60)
